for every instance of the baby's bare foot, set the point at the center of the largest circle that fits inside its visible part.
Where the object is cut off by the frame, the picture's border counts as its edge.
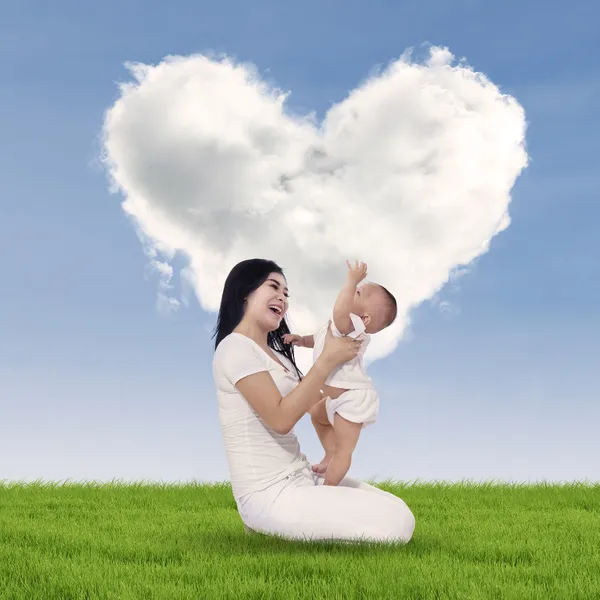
(322, 466)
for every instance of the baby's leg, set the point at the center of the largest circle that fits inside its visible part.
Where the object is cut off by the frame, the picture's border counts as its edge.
(324, 430)
(346, 437)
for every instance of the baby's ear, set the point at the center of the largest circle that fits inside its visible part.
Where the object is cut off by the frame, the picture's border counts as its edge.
(366, 319)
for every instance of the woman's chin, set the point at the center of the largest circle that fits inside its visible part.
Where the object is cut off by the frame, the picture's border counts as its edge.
(271, 323)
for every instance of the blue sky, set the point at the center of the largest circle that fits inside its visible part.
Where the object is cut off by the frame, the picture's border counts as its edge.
(96, 384)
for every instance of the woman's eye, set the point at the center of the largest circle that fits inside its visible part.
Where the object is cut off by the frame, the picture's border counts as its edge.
(276, 287)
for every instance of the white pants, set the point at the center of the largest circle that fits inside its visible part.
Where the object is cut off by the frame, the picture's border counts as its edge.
(299, 508)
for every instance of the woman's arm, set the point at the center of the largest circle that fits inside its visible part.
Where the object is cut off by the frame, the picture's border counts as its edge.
(281, 413)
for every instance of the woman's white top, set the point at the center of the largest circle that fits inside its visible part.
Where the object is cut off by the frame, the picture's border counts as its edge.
(257, 455)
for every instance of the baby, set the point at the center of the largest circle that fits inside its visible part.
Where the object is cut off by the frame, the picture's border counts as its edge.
(350, 401)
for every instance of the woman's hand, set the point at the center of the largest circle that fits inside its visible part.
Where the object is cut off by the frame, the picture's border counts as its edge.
(339, 350)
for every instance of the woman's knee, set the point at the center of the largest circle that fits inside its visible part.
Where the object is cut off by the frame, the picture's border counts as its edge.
(399, 522)
(405, 523)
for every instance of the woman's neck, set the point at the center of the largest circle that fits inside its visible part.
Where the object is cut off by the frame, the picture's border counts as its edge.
(253, 331)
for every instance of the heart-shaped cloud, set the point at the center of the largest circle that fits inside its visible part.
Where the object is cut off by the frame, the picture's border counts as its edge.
(411, 173)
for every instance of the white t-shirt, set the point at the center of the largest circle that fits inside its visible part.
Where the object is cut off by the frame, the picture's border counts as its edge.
(350, 375)
(257, 455)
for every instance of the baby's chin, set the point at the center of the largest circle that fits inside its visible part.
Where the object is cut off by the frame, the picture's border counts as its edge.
(371, 330)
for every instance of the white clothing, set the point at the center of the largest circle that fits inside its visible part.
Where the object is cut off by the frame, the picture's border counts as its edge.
(272, 482)
(361, 403)
(299, 508)
(350, 375)
(257, 455)
(358, 406)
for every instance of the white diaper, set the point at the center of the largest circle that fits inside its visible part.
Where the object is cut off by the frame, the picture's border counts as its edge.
(358, 406)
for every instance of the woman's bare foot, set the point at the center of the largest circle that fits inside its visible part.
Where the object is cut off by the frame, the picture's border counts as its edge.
(322, 466)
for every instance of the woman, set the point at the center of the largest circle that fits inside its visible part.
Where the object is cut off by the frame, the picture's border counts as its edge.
(262, 395)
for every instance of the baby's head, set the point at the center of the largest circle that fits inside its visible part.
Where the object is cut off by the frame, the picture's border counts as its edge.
(376, 306)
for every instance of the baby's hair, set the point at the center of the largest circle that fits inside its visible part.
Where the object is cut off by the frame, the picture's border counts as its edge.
(390, 308)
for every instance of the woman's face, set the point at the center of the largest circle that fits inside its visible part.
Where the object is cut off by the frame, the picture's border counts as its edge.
(268, 303)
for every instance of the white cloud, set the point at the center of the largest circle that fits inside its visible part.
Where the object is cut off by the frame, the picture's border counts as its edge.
(412, 173)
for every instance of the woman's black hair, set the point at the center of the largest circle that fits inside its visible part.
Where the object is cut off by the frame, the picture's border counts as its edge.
(242, 280)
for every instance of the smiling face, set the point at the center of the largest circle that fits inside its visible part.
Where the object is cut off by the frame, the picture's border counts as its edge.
(268, 304)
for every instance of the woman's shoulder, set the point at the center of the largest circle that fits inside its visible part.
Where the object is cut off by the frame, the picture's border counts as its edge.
(234, 345)
(235, 340)
(237, 356)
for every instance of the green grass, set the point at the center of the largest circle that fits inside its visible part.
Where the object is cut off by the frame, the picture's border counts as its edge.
(124, 541)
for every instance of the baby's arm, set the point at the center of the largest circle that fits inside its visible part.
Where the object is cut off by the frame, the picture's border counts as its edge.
(345, 300)
(304, 341)
(308, 341)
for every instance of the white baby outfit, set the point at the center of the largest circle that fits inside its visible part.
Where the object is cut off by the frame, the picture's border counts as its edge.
(360, 404)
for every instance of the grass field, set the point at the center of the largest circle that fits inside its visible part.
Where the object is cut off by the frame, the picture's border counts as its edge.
(122, 541)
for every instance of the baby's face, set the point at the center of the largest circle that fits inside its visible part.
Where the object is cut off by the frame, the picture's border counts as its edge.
(368, 300)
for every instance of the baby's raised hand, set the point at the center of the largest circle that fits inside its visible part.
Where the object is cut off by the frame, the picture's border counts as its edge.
(292, 338)
(356, 272)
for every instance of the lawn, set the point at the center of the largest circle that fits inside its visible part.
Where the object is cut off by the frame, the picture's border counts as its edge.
(146, 541)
